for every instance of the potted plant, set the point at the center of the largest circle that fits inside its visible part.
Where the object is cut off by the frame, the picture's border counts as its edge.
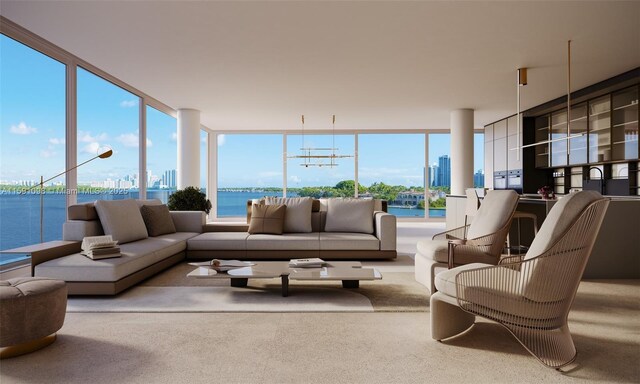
(189, 199)
(546, 192)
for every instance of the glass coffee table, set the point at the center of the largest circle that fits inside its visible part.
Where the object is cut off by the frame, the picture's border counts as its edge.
(349, 272)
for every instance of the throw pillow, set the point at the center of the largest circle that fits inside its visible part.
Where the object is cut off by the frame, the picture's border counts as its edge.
(297, 217)
(157, 219)
(122, 220)
(349, 215)
(268, 219)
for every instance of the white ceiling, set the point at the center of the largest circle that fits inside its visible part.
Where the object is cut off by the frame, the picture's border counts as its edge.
(376, 65)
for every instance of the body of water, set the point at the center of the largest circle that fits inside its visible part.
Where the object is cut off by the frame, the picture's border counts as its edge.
(20, 214)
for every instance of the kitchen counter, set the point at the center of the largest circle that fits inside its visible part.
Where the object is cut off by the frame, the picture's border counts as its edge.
(616, 253)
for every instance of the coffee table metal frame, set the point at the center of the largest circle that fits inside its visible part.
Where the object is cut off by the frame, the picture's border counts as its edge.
(349, 272)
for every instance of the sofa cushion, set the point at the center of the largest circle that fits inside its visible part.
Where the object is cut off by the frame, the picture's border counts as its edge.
(135, 257)
(349, 215)
(492, 295)
(437, 250)
(287, 241)
(157, 219)
(330, 241)
(297, 217)
(122, 220)
(218, 241)
(494, 213)
(142, 203)
(86, 211)
(267, 219)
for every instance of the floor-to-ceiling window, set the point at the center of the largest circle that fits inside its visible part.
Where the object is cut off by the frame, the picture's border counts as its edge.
(108, 116)
(162, 154)
(391, 167)
(320, 176)
(249, 167)
(32, 144)
(439, 173)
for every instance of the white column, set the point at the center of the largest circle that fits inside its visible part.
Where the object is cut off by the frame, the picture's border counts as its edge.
(461, 150)
(188, 173)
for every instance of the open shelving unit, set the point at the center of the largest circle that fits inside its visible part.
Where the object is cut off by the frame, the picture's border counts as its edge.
(607, 122)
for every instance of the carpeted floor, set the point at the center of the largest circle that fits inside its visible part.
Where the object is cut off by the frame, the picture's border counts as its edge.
(173, 291)
(384, 347)
(381, 346)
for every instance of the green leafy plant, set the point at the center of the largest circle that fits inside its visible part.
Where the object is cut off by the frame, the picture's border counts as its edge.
(189, 199)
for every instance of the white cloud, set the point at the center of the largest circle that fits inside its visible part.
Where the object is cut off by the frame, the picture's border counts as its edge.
(131, 140)
(85, 137)
(91, 148)
(268, 174)
(47, 153)
(221, 140)
(295, 179)
(56, 141)
(128, 139)
(22, 129)
(203, 140)
(174, 136)
(129, 103)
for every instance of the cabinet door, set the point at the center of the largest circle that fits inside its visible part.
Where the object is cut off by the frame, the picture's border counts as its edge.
(500, 129)
(625, 124)
(542, 135)
(600, 129)
(488, 133)
(514, 148)
(558, 133)
(578, 145)
(514, 144)
(488, 164)
(500, 154)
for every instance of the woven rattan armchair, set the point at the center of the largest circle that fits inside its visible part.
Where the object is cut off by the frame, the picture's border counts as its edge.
(530, 297)
(482, 241)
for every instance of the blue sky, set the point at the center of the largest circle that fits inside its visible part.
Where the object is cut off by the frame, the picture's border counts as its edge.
(32, 133)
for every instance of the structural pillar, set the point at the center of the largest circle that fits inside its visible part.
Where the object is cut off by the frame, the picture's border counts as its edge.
(461, 150)
(188, 172)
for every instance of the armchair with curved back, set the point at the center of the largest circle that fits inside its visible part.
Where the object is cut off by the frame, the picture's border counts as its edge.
(530, 296)
(482, 241)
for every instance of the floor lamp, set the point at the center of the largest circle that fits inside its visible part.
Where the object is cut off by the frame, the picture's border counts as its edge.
(107, 153)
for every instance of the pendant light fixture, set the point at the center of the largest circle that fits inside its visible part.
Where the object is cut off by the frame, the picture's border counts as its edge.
(568, 137)
(319, 157)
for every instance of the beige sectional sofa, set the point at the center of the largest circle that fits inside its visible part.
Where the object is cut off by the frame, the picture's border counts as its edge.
(140, 259)
(234, 241)
(194, 239)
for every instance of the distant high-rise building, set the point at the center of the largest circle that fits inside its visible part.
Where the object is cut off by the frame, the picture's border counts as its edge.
(478, 179)
(434, 181)
(444, 171)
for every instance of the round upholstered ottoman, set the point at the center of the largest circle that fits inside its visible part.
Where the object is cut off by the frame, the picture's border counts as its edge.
(32, 310)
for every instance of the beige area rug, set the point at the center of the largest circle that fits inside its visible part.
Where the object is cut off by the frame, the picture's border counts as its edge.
(173, 291)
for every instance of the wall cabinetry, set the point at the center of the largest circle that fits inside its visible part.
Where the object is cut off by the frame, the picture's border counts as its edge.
(488, 156)
(601, 130)
(506, 162)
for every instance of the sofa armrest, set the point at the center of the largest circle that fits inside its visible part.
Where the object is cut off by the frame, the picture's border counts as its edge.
(76, 230)
(385, 230)
(47, 251)
(189, 221)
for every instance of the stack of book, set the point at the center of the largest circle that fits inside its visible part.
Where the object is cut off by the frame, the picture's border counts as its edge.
(307, 263)
(222, 265)
(100, 247)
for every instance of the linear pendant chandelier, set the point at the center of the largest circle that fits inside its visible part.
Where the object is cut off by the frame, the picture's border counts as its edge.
(318, 156)
(568, 136)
